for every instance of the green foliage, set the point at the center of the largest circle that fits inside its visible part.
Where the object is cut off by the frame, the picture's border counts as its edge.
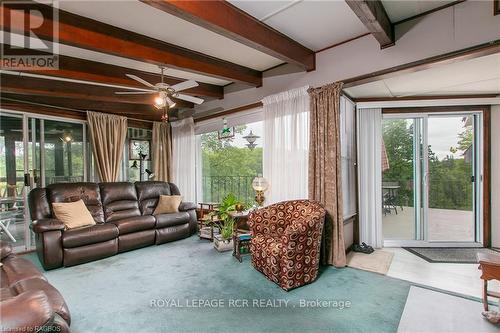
(450, 185)
(228, 169)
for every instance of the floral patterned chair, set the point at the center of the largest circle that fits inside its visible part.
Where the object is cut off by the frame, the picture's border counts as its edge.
(286, 239)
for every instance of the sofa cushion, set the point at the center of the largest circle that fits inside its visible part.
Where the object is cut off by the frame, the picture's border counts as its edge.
(148, 194)
(89, 235)
(170, 220)
(133, 224)
(70, 192)
(72, 214)
(119, 201)
(168, 204)
(17, 269)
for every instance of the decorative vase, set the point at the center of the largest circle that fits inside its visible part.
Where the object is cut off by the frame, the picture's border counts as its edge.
(222, 245)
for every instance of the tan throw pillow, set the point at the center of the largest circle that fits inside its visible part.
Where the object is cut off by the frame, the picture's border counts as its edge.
(73, 214)
(168, 204)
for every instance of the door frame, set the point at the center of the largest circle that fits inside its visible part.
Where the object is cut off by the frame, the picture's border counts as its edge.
(25, 116)
(486, 165)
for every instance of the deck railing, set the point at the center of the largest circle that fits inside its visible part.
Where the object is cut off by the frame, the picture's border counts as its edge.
(215, 188)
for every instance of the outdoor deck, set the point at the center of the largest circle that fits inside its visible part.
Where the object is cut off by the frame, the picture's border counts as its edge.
(444, 225)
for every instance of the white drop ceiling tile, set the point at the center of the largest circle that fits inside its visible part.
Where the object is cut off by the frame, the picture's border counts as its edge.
(398, 10)
(372, 89)
(260, 8)
(474, 70)
(483, 87)
(318, 24)
(146, 20)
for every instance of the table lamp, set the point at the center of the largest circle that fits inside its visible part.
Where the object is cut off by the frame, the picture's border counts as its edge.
(259, 184)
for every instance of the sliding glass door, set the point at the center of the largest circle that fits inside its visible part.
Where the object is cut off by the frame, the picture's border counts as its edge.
(431, 178)
(35, 152)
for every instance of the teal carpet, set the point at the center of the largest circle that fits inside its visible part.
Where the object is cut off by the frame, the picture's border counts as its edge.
(115, 295)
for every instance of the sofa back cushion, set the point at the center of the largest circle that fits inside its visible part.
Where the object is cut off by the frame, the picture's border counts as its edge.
(71, 192)
(39, 204)
(148, 194)
(119, 201)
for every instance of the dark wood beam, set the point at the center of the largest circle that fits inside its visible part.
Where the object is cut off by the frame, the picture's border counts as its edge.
(138, 111)
(31, 86)
(98, 72)
(82, 32)
(227, 20)
(373, 15)
(415, 66)
(57, 112)
(228, 112)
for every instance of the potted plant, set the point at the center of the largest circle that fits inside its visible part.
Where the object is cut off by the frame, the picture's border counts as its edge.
(223, 241)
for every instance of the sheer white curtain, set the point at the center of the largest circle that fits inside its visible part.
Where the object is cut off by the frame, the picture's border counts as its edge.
(286, 145)
(184, 158)
(370, 176)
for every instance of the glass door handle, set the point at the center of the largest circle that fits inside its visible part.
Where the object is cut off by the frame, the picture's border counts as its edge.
(27, 177)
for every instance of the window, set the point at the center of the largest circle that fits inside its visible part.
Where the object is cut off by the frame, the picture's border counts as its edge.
(138, 142)
(348, 153)
(229, 165)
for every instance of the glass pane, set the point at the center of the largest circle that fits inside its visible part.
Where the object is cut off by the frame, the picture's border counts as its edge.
(139, 141)
(63, 152)
(451, 157)
(398, 166)
(230, 165)
(12, 180)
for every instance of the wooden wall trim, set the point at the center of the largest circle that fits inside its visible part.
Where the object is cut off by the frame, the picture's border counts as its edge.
(63, 113)
(230, 111)
(415, 66)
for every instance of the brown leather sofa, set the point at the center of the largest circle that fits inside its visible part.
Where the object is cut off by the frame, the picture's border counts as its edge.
(124, 215)
(28, 303)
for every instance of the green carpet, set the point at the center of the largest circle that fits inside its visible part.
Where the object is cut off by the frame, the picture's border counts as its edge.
(115, 295)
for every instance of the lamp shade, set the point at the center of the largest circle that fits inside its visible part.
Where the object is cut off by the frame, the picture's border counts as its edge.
(260, 183)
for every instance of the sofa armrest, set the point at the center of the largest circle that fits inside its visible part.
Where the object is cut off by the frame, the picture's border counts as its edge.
(5, 249)
(27, 312)
(44, 225)
(185, 206)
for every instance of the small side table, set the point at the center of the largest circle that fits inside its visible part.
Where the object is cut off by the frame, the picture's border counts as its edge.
(490, 266)
(241, 234)
(206, 231)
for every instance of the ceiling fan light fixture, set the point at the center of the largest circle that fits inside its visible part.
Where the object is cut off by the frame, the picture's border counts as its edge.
(160, 101)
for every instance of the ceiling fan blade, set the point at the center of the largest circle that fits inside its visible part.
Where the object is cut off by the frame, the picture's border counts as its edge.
(188, 98)
(184, 85)
(135, 92)
(138, 79)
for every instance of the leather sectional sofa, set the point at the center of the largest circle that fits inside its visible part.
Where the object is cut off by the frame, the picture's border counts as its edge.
(28, 303)
(124, 218)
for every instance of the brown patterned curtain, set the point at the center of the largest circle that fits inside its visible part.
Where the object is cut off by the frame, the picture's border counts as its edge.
(325, 169)
(108, 133)
(162, 151)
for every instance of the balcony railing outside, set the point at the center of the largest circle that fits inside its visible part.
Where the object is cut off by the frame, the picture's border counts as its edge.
(215, 188)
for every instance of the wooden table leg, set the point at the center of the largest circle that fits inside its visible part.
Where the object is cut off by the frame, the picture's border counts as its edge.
(485, 295)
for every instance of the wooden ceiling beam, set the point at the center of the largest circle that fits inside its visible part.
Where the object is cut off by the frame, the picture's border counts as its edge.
(373, 15)
(82, 32)
(229, 21)
(138, 111)
(24, 85)
(98, 72)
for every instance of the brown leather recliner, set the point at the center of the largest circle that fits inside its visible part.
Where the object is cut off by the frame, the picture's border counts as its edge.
(124, 215)
(28, 303)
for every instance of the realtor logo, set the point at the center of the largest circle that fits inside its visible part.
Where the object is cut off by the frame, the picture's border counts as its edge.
(30, 35)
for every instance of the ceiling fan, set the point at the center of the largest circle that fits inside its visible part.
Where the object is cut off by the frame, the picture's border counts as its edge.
(165, 91)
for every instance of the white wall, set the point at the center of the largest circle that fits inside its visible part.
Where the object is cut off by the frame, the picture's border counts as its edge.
(466, 24)
(495, 176)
